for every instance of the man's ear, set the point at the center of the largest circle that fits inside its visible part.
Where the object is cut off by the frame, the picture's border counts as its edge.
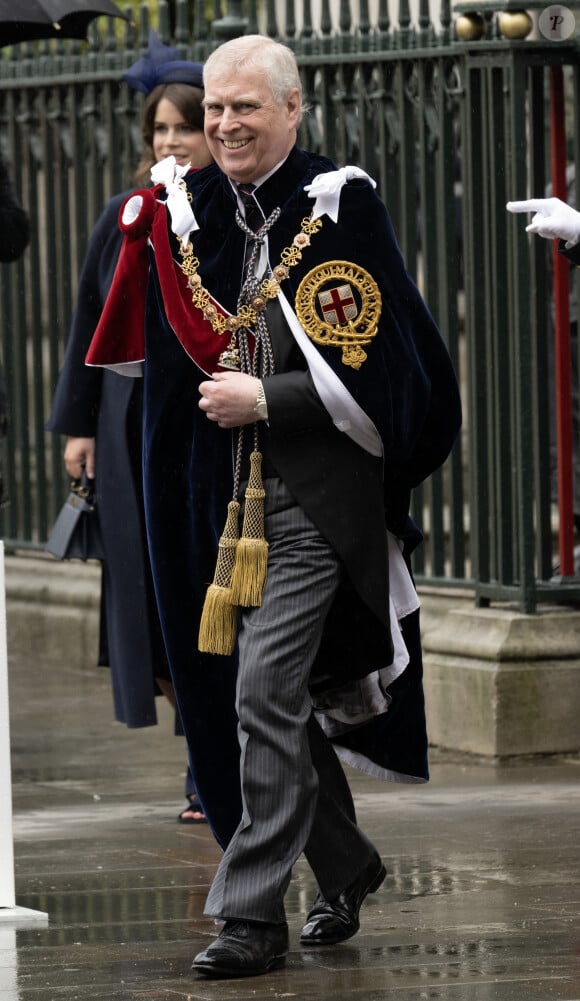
(294, 106)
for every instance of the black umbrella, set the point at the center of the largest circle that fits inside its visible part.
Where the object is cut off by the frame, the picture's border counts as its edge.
(25, 20)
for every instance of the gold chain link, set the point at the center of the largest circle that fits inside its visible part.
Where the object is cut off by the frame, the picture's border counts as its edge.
(269, 287)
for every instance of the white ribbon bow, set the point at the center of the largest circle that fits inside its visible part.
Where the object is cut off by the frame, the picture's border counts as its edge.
(169, 173)
(326, 188)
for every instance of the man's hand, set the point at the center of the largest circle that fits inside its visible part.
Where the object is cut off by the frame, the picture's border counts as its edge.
(80, 452)
(554, 219)
(230, 398)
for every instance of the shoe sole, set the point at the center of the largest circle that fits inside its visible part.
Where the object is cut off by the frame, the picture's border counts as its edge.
(231, 972)
(373, 886)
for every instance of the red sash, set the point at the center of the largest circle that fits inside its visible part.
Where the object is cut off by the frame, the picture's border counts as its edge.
(119, 339)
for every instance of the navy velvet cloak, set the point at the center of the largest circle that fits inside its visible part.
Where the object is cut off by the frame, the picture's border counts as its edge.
(407, 386)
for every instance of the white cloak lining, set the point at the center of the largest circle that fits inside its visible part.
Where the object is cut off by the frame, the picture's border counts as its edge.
(361, 700)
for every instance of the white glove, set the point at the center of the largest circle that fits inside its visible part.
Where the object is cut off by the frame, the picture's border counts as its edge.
(553, 220)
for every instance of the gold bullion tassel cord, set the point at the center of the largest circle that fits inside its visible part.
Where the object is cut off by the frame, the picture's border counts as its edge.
(251, 556)
(218, 625)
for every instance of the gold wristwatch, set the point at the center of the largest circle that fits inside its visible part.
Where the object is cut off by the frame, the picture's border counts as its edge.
(261, 407)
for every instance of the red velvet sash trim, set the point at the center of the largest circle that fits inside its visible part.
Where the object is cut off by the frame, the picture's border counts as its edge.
(120, 335)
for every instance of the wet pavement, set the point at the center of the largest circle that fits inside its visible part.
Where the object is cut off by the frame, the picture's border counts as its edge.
(482, 901)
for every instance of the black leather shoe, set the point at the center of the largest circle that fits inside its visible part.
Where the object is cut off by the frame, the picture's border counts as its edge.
(244, 949)
(332, 921)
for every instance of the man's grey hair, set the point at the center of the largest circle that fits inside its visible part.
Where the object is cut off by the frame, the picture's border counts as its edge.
(276, 61)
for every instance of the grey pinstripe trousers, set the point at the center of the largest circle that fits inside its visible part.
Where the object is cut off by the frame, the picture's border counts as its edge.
(295, 795)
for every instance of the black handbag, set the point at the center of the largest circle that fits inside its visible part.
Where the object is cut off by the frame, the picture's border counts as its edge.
(76, 534)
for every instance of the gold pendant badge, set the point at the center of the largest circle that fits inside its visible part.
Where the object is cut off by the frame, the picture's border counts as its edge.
(339, 305)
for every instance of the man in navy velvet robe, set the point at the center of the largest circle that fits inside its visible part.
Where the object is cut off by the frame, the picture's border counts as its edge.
(346, 390)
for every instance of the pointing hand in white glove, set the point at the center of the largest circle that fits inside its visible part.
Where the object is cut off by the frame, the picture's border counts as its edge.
(553, 220)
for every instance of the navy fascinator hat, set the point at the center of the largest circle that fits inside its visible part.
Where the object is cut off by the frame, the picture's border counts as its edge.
(161, 65)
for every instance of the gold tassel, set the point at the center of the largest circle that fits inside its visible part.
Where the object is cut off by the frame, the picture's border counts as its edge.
(217, 627)
(251, 561)
(218, 624)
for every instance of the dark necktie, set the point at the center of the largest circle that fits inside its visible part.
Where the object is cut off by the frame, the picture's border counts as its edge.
(254, 221)
(254, 217)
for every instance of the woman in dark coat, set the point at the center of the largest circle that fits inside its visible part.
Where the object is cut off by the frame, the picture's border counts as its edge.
(101, 413)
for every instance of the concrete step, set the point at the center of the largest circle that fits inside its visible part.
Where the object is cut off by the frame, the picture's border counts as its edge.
(52, 607)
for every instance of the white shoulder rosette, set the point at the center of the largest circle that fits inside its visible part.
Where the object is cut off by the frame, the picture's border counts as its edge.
(169, 173)
(326, 188)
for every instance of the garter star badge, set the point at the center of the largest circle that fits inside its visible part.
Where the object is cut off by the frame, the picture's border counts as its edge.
(339, 304)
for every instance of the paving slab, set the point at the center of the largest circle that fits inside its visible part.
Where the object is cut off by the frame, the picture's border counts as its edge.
(482, 901)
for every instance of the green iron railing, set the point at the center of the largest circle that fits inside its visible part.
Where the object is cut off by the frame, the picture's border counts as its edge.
(450, 129)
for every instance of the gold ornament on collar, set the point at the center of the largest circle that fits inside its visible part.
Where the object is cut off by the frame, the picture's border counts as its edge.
(339, 305)
(269, 287)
